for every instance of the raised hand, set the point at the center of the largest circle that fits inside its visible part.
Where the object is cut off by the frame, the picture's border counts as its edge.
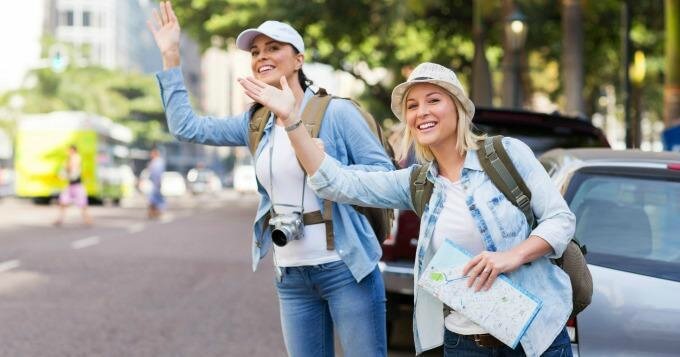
(165, 29)
(280, 101)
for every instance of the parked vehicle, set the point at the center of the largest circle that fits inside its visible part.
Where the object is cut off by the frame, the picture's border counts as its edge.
(540, 131)
(627, 207)
(202, 180)
(244, 175)
(41, 148)
(172, 183)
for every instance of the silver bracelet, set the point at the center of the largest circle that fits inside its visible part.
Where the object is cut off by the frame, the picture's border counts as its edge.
(293, 126)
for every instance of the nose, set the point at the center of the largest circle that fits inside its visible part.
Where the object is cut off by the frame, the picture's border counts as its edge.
(422, 111)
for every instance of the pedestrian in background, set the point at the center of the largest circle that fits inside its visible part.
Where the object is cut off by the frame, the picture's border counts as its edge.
(156, 168)
(465, 207)
(75, 192)
(322, 288)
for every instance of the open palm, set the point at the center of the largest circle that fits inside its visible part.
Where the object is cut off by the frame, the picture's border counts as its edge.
(280, 101)
(165, 28)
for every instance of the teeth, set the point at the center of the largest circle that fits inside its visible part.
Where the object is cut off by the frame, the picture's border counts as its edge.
(426, 125)
(265, 68)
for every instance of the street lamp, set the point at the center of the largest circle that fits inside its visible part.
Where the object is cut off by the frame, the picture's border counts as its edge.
(516, 35)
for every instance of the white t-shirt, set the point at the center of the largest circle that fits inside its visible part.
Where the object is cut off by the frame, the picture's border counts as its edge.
(288, 180)
(456, 224)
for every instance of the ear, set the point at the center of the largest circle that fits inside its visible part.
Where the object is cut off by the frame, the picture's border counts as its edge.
(299, 60)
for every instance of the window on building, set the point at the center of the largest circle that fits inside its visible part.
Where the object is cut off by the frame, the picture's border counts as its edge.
(66, 18)
(87, 18)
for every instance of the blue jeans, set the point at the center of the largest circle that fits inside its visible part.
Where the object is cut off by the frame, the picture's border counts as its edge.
(457, 346)
(316, 299)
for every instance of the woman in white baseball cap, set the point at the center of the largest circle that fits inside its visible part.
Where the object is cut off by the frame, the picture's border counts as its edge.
(465, 207)
(325, 285)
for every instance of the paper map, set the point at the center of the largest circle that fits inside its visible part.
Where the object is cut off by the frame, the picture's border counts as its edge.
(505, 310)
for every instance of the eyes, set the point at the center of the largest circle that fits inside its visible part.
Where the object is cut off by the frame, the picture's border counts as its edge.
(412, 104)
(271, 48)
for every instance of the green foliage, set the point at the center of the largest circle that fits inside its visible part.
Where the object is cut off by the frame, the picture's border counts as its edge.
(128, 98)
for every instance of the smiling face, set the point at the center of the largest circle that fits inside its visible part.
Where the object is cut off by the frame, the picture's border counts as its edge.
(431, 116)
(271, 59)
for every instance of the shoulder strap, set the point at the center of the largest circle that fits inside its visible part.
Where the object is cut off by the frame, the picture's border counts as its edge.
(421, 188)
(499, 167)
(315, 110)
(256, 128)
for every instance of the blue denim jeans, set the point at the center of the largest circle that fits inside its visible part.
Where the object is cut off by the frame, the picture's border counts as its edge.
(317, 299)
(457, 346)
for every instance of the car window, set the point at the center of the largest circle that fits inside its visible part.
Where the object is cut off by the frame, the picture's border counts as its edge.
(628, 223)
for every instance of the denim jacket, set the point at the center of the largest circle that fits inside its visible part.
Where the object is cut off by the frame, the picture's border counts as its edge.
(346, 136)
(502, 227)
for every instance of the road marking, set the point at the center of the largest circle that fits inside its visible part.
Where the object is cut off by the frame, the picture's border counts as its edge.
(136, 228)
(84, 243)
(9, 265)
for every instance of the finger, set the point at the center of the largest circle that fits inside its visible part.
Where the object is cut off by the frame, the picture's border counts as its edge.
(482, 279)
(151, 27)
(474, 273)
(257, 82)
(171, 13)
(471, 264)
(157, 17)
(248, 85)
(164, 12)
(490, 280)
(284, 83)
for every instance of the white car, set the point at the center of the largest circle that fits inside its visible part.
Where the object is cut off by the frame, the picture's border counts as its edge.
(244, 179)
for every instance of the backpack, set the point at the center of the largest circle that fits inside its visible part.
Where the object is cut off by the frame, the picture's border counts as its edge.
(380, 219)
(502, 172)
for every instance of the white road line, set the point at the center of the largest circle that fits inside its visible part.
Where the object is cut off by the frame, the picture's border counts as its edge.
(84, 243)
(136, 228)
(9, 265)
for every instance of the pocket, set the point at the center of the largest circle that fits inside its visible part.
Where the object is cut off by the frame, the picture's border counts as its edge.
(508, 218)
(336, 265)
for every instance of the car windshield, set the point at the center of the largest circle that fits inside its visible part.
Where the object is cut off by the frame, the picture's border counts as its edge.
(628, 217)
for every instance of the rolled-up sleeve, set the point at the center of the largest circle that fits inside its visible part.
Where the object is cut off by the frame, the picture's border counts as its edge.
(186, 125)
(382, 189)
(556, 222)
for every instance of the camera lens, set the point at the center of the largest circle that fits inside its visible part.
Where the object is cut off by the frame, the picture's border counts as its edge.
(279, 237)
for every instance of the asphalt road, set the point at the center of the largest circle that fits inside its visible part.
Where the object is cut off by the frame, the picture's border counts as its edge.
(180, 286)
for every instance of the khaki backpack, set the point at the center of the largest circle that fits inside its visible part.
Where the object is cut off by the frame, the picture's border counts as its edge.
(380, 219)
(497, 165)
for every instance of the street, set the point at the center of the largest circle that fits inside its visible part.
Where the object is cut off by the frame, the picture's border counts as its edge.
(180, 286)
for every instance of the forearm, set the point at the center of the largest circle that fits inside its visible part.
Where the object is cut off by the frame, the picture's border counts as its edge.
(531, 249)
(308, 153)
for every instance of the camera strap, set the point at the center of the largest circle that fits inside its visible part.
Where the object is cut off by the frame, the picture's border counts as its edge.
(301, 207)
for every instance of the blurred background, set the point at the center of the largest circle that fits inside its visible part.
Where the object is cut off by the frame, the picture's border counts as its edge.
(556, 73)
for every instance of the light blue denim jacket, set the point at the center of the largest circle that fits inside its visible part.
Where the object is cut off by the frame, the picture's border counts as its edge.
(346, 137)
(502, 226)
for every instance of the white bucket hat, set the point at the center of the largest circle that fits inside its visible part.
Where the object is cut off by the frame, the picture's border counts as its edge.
(435, 74)
(279, 31)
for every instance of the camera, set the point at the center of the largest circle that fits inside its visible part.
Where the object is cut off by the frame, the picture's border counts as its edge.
(286, 227)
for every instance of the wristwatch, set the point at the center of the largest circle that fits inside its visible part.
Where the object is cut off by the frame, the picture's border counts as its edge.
(294, 125)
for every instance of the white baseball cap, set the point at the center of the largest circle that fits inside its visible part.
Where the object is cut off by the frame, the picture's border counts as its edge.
(435, 74)
(278, 31)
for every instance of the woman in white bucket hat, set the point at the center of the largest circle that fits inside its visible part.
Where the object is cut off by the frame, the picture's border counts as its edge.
(465, 207)
(323, 288)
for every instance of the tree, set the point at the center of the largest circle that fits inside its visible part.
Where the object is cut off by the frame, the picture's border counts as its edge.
(672, 85)
(572, 56)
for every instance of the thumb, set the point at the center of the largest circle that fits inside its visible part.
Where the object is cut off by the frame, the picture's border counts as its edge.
(284, 83)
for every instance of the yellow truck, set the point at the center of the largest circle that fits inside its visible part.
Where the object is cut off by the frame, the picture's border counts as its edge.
(42, 142)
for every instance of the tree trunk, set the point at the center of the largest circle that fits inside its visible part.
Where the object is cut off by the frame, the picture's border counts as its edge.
(572, 56)
(509, 74)
(672, 86)
(482, 90)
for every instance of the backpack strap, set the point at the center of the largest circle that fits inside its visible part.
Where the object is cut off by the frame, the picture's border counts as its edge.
(499, 167)
(256, 128)
(421, 188)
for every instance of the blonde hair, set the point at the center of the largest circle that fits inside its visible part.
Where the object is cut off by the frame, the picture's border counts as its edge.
(466, 139)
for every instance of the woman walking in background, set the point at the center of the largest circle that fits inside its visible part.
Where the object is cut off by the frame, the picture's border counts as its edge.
(326, 281)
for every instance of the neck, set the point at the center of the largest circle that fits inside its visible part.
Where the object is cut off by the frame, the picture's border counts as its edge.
(449, 160)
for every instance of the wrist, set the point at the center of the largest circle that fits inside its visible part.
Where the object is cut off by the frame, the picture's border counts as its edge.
(296, 122)
(171, 58)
